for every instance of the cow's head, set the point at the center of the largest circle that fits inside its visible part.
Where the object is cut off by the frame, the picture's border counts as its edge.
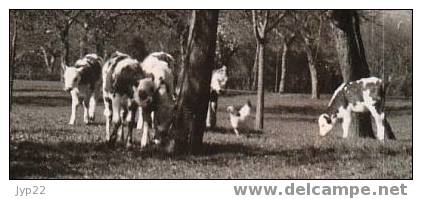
(164, 111)
(144, 93)
(219, 79)
(230, 109)
(72, 76)
(325, 123)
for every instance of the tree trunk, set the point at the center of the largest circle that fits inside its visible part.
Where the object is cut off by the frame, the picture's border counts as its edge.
(277, 61)
(255, 70)
(12, 54)
(282, 87)
(64, 37)
(259, 120)
(46, 60)
(99, 44)
(352, 58)
(195, 89)
(83, 48)
(312, 70)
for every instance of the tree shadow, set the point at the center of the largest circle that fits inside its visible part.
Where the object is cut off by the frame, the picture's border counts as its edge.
(36, 90)
(224, 130)
(301, 156)
(73, 160)
(307, 110)
(41, 101)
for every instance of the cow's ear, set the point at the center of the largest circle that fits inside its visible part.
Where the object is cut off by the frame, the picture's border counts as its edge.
(151, 76)
(327, 118)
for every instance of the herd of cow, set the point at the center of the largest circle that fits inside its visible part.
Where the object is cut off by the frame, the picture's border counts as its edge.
(146, 91)
(130, 90)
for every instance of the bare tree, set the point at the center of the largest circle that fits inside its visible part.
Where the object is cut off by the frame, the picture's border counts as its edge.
(351, 55)
(262, 23)
(65, 20)
(192, 104)
(83, 41)
(310, 31)
(287, 40)
(14, 37)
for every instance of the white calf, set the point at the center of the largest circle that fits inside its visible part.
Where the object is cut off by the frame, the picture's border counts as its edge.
(83, 81)
(366, 94)
(218, 83)
(239, 118)
(160, 66)
(125, 88)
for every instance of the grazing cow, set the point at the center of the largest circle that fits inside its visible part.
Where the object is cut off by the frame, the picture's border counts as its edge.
(83, 81)
(238, 117)
(125, 88)
(366, 94)
(218, 83)
(160, 66)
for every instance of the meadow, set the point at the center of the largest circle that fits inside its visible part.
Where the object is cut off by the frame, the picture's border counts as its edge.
(44, 146)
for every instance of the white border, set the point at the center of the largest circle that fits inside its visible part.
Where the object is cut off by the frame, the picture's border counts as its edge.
(197, 188)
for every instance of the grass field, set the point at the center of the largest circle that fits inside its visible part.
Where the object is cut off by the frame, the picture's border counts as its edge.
(42, 145)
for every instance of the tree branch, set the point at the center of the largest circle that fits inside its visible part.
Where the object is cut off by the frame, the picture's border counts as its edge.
(276, 21)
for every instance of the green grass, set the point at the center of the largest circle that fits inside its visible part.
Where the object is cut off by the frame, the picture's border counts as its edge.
(42, 145)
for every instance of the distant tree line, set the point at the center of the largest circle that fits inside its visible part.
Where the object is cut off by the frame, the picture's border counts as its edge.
(299, 50)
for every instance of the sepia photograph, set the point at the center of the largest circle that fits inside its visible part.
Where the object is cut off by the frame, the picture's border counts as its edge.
(210, 94)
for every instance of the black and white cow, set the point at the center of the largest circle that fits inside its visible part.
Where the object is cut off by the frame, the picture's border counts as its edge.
(126, 88)
(218, 84)
(366, 94)
(160, 65)
(239, 118)
(83, 81)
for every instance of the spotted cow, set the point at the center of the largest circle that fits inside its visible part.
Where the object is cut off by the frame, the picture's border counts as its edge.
(240, 117)
(366, 94)
(125, 88)
(83, 82)
(161, 66)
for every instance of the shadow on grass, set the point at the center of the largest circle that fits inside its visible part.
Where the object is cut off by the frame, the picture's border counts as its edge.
(74, 160)
(303, 156)
(223, 130)
(50, 101)
(308, 110)
(317, 110)
(35, 90)
(71, 159)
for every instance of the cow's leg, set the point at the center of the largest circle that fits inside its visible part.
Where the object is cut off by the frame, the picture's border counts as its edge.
(213, 116)
(153, 125)
(146, 114)
(153, 119)
(131, 124)
(208, 120)
(85, 104)
(379, 121)
(91, 111)
(75, 103)
(116, 120)
(140, 122)
(388, 131)
(108, 116)
(120, 131)
(236, 131)
(347, 119)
